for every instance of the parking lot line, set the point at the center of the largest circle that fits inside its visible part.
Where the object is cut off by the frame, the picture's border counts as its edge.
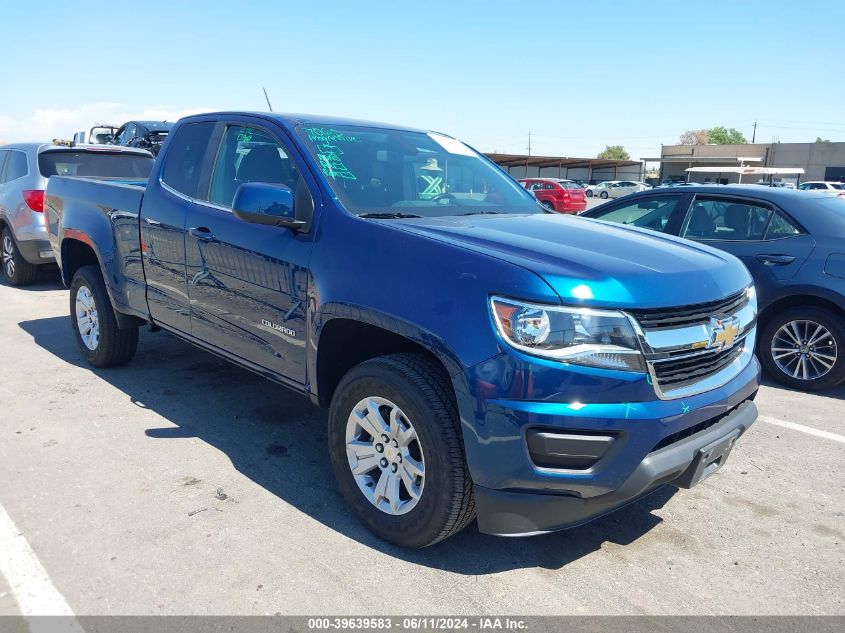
(30, 585)
(804, 429)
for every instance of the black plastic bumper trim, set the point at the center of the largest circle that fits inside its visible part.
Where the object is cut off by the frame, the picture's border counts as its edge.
(507, 513)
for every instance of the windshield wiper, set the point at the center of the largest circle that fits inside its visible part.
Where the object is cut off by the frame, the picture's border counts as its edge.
(482, 213)
(389, 216)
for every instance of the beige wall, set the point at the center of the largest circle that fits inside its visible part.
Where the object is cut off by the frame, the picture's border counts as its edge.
(814, 158)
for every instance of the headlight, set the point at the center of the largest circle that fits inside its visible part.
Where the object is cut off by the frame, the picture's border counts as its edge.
(583, 336)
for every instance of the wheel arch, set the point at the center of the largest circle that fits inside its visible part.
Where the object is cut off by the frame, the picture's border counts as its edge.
(345, 342)
(802, 299)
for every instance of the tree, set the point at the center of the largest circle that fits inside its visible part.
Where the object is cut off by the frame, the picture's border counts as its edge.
(614, 152)
(694, 137)
(819, 139)
(724, 136)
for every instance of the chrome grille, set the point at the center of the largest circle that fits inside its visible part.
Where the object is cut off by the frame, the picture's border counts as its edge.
(689, 315)
(674, 373)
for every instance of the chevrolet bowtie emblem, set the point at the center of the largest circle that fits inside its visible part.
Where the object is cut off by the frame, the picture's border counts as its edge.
(723, 331)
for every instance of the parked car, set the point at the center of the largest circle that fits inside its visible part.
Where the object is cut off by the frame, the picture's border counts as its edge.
(590, 190)
(148, 135)
(24, 170)
(97, 135)
(823, 186)
(563, 196)
(477, 354)
(619, 188)
(791, 242)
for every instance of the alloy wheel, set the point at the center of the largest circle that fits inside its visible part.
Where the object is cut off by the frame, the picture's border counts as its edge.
(804, 349)
(8, 256)
(86, 318)
(385, 455)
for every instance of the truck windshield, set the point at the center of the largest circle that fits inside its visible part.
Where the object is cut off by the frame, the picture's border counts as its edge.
(97, 164)
(399, 174)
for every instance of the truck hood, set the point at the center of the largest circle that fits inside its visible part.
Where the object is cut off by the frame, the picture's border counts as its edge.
(594, 263)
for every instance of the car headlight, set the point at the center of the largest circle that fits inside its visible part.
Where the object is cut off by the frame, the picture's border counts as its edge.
(582, 336)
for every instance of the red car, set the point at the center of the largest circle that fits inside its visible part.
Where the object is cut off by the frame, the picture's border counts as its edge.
(563, 196)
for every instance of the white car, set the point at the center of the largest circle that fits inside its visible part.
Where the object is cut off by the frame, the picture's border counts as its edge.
(619, 188)
(824, 186)
(590, 190)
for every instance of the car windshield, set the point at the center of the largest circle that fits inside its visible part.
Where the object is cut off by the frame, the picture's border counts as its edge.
(95, 164)
(388, 173)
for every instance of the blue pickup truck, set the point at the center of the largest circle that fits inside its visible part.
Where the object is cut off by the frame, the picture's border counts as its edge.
(479, 356)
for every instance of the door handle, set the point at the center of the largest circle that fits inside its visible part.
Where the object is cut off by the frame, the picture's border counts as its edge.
(776, 260)
(202, 233)
(152, 222)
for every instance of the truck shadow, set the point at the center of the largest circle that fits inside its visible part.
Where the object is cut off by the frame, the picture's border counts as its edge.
(278, 439)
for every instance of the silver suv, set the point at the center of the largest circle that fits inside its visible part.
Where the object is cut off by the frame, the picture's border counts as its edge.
(24, 170)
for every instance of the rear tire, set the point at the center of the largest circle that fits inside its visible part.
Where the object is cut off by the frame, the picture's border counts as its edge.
(589, 193)
(401, 396)
(603, 195)
(548, 205)
(16, 270)
(816, 333)
(101, 341)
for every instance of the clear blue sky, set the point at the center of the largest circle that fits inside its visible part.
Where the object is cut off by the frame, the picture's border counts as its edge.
(579, 75)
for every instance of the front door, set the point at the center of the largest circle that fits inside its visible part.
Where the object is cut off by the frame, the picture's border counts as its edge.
(248, 282)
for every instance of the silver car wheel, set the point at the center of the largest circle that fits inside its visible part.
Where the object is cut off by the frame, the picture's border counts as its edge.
(385, 455)
(8, 256)
(804, 350)
(86, 318)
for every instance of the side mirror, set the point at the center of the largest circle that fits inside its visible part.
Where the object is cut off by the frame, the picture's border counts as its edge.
(265, 203)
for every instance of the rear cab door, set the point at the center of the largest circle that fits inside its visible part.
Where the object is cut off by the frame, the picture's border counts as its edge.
(167, 200)
(770, 243)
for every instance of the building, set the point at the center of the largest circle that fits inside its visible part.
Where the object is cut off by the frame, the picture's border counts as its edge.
(590, 170)
(820, 161)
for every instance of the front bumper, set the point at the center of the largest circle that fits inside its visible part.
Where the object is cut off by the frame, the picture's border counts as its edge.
(683, 463)
(551, 446)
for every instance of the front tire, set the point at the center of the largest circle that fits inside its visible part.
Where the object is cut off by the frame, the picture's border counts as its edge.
(603, 195)
(589, 193)
(396, 450)
(804, 348)
(16, 270)
(101, 341)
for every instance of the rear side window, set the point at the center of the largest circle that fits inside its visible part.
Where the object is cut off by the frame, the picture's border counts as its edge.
(184, 160)
(16, 166)
(648, 213)
(838, 186)
(3, 154)
(722, 219)
(570, 185)
(94, 164)
(781, 227)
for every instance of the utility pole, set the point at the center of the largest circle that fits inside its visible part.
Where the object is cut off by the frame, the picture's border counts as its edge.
(529, 142)
(754, 134)
(268, 99)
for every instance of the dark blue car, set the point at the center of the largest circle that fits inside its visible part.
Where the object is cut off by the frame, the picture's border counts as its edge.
(478, 355)
(793, 243)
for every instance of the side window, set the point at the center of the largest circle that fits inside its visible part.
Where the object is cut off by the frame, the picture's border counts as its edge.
(549, 185)
(126, 134)
(249, 155)
(649, 213)
(184, 161)
(3, 155)
(721, 219)
(780, 227)
(16, 166)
